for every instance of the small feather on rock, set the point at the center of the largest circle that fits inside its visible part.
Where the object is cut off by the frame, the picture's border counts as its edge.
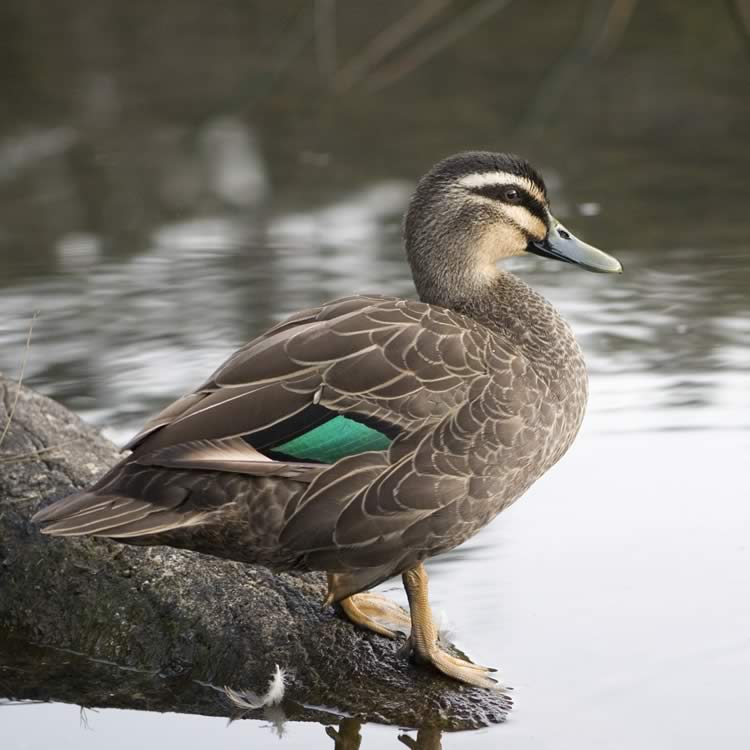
(249, 701)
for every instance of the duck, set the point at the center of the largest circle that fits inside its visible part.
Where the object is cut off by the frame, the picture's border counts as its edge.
(366, 435)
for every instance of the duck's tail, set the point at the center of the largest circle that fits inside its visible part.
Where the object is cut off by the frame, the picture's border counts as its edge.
(233, 515)
(101, 513)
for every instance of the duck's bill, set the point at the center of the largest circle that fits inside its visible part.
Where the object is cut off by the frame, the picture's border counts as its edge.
(561, 244)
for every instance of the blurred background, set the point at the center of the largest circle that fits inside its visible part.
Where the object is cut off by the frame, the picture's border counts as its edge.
(176, 175)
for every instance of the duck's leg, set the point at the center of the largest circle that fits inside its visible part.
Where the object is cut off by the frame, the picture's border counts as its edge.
(423, 640)
(374, 612)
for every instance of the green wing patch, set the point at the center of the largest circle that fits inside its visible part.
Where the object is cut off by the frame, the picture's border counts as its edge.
(333, 440)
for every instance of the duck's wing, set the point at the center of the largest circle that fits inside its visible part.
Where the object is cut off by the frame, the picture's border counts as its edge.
(337, 380)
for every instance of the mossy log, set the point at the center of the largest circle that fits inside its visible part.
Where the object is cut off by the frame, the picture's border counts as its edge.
(185, 616)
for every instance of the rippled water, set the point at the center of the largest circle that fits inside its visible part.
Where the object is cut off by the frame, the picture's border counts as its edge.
(614, 596)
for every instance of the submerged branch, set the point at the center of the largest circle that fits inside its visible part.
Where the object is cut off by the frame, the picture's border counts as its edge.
(386, 41)
(433, 45)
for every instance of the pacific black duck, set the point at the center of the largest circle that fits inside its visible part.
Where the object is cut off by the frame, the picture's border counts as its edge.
(366, 435)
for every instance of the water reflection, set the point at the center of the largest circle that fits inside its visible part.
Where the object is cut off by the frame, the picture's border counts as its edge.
(348, 737)
(426, 739)
(31, 676)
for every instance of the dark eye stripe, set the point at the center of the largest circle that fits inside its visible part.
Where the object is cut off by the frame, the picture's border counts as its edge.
(528, 201)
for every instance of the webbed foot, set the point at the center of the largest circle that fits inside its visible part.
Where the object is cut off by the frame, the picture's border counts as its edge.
(424, 642)
(377, 613)
(459, 669)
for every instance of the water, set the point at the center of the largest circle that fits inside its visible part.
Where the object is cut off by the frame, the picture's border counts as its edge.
(160, 209)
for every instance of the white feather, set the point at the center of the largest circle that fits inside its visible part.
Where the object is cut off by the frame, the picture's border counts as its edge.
(249, 701)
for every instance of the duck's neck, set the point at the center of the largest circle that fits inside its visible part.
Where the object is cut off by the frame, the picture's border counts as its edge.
(504, 303)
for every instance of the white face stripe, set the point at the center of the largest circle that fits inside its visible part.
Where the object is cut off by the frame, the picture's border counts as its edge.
(532, 225)
(484, 179)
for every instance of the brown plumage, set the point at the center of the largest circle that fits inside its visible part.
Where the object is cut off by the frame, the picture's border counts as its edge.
(469, 395)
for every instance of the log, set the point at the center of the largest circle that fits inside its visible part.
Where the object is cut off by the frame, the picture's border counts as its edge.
(188, 619)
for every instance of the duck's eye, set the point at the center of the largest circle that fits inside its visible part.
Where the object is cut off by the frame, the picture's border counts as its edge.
(511, 195)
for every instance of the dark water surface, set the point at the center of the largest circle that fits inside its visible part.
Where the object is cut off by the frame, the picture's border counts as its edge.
(173, 182)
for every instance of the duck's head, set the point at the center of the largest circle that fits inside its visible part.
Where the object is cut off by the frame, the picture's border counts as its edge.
(474, 209)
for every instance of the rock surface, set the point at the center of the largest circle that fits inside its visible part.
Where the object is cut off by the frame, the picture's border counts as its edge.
(184, 616)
